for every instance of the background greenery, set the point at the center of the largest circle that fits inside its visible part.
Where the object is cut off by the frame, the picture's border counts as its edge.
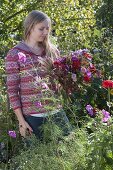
(76, 24)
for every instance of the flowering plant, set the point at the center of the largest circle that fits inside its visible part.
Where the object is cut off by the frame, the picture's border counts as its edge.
(93, 112)
(102, 114)
(108, 84)
(12, 133)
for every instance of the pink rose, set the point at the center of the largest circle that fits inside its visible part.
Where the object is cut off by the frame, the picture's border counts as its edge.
(22, 57)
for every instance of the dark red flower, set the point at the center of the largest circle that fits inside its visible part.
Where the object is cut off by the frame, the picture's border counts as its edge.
(87, 78)
(92, 68)
(76, 64)
(57, 63)
(107, 84)
(60, 63)
(87, 55)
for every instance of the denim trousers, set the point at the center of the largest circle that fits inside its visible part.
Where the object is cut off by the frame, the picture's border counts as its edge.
(59, 118)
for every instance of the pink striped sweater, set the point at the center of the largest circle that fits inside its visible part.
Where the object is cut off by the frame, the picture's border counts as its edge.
(25, 85)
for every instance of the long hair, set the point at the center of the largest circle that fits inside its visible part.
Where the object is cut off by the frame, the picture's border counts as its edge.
(33, 18)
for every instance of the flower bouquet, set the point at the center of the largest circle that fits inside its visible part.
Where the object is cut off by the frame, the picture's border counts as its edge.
(75, 71)
(77, 79)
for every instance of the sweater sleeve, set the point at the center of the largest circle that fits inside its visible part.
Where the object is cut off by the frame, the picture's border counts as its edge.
(13, 78)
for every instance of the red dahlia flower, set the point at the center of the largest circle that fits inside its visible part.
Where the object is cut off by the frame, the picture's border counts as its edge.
(76, 64)
(107, 84)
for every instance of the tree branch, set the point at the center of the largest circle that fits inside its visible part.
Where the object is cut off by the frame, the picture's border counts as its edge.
(12, 16)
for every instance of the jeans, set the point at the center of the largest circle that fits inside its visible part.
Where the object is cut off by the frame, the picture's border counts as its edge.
(59, 118)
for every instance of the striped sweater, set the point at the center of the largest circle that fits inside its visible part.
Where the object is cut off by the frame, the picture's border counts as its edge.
(25, 81)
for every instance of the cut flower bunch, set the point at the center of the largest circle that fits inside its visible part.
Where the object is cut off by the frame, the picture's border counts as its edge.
(74, 71)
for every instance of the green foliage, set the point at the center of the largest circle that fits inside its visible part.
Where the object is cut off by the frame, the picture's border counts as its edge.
(67, 154)
(73, 27)
(78, 151)
(105, 14)
(12, 15)
(7, 121)
(76, 24)
(94, 94)
(76, 21)
(100, 145)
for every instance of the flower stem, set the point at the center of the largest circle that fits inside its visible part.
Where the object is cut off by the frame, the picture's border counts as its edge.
(109, 105)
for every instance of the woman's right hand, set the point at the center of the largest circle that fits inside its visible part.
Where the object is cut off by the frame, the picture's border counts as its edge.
(25, 129)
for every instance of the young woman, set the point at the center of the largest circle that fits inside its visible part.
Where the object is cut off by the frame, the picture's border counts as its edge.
(25, 79)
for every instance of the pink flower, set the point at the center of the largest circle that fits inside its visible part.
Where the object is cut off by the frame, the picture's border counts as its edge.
(45, 86)
(88, 74)
(91, 110)
(106, 116)
(38, 79)
(83, 70)
(92, 68)
(12, 133)
(74, 77)
(38, 104)
(22, 57)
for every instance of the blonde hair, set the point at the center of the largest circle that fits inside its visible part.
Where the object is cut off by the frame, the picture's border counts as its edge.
(33, 18)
